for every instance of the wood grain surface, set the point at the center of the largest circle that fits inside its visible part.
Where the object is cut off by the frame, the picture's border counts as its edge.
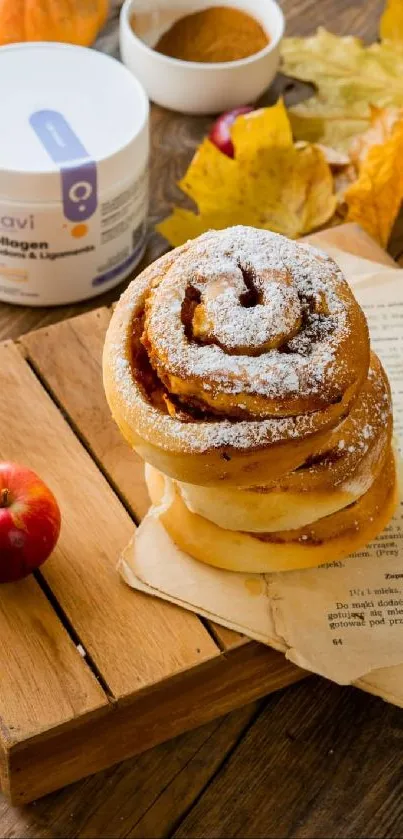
(320, 761)
(55, 695)
(96, 529)
(316, 760)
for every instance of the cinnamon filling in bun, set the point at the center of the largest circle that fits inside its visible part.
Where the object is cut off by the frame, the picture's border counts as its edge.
(347, 521)
(153, 388)
(226, 335)
(238, 335)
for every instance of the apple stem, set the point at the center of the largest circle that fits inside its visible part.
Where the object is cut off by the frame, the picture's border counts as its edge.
(4, 497)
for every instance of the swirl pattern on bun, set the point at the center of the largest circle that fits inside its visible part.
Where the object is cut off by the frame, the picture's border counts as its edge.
(230, 358)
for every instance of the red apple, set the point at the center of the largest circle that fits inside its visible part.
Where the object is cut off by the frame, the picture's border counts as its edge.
(220, 133)
(29, 522)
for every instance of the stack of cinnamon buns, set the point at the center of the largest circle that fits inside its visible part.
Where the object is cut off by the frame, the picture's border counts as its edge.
(239, 367)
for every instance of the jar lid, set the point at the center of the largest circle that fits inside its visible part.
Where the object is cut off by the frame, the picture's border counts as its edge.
(65, 107)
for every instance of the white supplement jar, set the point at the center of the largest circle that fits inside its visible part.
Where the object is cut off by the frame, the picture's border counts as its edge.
(73, 173)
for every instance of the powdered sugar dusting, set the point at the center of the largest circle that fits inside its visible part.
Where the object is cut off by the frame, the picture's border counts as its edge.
(302, 302)
(237, 327)
(314, 358)
(199, 437)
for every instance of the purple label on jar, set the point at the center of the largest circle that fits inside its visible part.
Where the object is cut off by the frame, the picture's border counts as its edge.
(79, 182)
(79, 190)
(55, 134)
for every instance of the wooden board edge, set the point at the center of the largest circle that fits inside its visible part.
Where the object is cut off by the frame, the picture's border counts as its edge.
(22, 339)
(9, 748)
(190, 699)
(5, 786)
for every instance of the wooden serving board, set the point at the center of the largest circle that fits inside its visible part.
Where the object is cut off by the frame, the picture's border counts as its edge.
(92, 672)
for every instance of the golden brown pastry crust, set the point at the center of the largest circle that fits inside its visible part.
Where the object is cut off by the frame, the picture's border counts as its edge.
(328, 539)
(337, 476)
(231, 358)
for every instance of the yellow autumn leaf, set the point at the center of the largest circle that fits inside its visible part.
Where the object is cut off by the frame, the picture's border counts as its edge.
(375, 198)
(391, 27)
(348, 77)
(335, 130)
(271, 183)
(382, 123)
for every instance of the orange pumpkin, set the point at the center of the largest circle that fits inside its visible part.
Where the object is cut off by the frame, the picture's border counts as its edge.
(70, 21)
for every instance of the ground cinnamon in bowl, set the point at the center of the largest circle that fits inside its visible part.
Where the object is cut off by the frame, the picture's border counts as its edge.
(216, 34)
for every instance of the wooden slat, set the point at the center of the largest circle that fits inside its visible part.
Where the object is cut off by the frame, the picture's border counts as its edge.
(134, 640)
(44, 680)
(227, 639)
(61, 353)
(68, 357)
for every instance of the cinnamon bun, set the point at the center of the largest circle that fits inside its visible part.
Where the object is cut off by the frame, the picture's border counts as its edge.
(239, 367)
(230, 359)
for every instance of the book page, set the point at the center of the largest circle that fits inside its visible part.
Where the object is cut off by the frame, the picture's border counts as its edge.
(155, 564)
(345, 620)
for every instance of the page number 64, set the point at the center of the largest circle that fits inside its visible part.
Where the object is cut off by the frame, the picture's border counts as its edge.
(337, 642)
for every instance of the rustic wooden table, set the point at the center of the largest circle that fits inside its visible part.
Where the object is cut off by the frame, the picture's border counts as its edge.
(312, 761)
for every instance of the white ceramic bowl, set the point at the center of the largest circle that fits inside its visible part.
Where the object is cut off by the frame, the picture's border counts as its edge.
(190, 86)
